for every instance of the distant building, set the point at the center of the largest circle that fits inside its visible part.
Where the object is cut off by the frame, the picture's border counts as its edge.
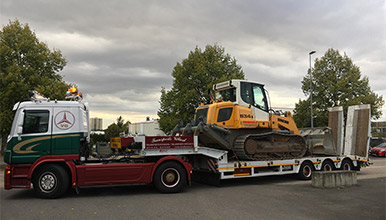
(378, 129)
(96, 124)
(148, 128)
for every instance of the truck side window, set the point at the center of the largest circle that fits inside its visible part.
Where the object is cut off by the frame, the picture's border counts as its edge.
(35, 121)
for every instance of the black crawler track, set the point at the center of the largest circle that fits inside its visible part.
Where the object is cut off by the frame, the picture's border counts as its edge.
(295, 143)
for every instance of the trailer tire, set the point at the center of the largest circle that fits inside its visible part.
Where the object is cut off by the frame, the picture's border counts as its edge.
(347, 165)
(170, 177)
(306, 169)
(50, 181)
(357, 167)
(327, 166)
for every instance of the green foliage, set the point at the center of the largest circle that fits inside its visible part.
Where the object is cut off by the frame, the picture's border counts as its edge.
(193, 78)
(302, 114)
(26, 64)
(336, 81)
(112, 131)
(97, 138)
(115, 129)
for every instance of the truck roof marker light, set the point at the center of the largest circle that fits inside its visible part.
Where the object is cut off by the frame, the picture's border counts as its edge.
(74, 184)
(73, 90)
(73, 94)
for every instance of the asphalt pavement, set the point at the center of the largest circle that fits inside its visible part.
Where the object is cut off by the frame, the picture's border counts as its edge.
(276, 197)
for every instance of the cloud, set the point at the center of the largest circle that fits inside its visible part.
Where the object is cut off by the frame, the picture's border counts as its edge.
(72, 43)
(120, 53)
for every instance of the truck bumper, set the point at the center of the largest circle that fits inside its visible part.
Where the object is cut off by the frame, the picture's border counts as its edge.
(15, 176)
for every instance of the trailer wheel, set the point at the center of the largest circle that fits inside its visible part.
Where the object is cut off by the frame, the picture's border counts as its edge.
(50, 181)
(306, 169)
(327, 166)
(346, 165)
(357, 167)
(170, 177)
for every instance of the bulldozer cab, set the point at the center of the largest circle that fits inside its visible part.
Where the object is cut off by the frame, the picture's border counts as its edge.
(247, 94)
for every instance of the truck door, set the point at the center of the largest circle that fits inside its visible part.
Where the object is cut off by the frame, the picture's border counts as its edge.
(34, 138)
(66, 133)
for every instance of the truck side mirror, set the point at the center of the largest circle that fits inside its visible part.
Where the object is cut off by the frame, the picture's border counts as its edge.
(19, 132)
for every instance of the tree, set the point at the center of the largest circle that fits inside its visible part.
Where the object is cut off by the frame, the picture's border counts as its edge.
(97, 138)
(193, 78)
(115, 129)
(302, 114)
(336, 81)
(112, 131)
(26, 64)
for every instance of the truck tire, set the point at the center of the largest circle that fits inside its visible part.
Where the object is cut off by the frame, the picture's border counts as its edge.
(50, 181)
(170, 177)
(306, 169)
(327, 166)
(346, 165)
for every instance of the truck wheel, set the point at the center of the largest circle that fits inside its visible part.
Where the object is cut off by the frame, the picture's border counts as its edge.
(170, 177)
(346, 165)
(327, 166)
(306, 169)
(50, 181)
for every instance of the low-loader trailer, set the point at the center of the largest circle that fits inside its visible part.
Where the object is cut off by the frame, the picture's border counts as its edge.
(48, 147)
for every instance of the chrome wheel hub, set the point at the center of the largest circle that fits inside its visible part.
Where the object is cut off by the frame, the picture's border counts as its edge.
(47, 182)
(170, 177)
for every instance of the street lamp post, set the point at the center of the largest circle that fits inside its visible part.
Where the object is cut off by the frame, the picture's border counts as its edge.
(312, 117)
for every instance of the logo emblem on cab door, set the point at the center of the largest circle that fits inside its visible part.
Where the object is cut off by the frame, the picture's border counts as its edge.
(64, 120)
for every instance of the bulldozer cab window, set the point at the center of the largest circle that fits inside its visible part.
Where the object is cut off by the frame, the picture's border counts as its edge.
(201, 113)
(246, 93)
(228, 95)
(224, 114)
(258, 97)
(253, 94)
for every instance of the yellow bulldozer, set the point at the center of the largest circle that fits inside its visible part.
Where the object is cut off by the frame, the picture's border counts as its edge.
(240, 120)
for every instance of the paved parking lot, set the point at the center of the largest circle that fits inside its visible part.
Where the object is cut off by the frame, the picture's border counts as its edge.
(276, 197)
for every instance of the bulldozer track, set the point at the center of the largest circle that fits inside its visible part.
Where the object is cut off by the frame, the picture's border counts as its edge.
(273, 137)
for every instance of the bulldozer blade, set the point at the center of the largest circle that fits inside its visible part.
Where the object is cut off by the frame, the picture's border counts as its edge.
(319, 140)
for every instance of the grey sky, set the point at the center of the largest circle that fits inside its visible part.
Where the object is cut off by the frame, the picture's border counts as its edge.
(120, 53)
